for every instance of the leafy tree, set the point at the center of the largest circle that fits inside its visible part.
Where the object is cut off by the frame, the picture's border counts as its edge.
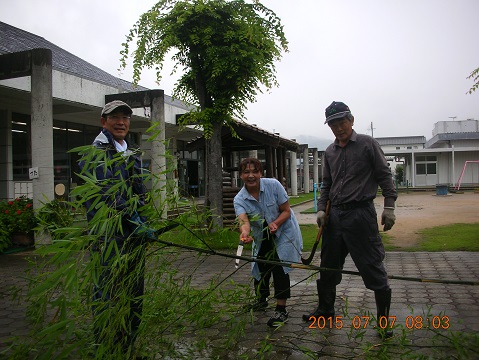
(399, 173)
(226, 51)
(475, 77)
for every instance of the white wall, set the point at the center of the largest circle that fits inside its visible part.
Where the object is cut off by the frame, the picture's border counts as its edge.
(448, 127)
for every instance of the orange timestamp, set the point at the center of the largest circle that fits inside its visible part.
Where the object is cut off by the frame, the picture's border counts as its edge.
(362, 322)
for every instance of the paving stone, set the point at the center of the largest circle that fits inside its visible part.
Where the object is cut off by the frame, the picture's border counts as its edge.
(409, 298)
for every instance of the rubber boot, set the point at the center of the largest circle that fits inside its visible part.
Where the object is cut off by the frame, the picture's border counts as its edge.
(326, 298)
(383, 303)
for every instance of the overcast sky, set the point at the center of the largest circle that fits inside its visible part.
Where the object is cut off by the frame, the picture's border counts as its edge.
(400, 65)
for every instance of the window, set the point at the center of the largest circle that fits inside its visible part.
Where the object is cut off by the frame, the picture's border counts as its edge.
(426, 165)
(421, 169)
(21, 146)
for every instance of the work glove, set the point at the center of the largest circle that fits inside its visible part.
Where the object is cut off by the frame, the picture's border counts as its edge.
(388, 218)
(141, 229)
(321, 218)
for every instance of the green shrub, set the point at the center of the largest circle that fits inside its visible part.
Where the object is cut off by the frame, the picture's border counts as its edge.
(16, 216)
(54, 215)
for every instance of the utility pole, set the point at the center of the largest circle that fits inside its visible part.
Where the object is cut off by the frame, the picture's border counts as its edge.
(372, 129)
(453, 117)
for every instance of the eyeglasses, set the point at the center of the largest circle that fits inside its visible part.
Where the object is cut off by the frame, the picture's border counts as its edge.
(118, 118)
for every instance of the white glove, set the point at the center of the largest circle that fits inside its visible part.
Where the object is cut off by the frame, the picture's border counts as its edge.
(388, 218)
(321, 218)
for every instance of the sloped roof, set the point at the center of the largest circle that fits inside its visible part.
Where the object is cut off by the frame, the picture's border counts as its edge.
(251, 137)
(401, 140)
(13, 39)
(438, 139)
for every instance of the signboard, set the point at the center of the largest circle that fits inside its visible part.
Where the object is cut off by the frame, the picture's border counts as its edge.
(33, 173)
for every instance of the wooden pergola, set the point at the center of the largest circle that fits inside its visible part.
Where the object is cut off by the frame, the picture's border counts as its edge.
(250, 137)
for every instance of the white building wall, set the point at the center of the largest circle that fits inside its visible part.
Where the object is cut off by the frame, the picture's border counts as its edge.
(443, 169)
(465, 143)
(471, 175)
(72, 88)
(171, 112)
(448, 127)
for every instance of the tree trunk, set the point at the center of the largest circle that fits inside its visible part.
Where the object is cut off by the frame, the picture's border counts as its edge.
(214, 177)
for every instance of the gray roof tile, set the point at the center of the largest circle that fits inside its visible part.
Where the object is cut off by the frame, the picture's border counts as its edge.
(13, 39)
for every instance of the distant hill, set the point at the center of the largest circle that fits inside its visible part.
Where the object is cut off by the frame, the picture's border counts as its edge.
(313, 141)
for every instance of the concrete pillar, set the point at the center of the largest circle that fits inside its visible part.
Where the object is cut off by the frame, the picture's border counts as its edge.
(269, 162)
(453, 168)
(315, 166)
(235, 174)
(306, 170)
(294, 174)
(6, 165)
(174, 165)
(413, 169)
(158, 151)
(42, 131)
(275, 164)
(280, 165)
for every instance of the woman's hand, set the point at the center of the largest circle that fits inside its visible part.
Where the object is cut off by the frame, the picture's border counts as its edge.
(273, 227)
(246, 238)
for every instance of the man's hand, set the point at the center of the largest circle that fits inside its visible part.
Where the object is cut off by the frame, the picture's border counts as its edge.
(141, 228)
(321, 218)
(388, 218)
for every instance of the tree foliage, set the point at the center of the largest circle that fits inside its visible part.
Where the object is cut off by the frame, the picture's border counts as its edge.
(399, 173)
(226, 51)
(474, 75)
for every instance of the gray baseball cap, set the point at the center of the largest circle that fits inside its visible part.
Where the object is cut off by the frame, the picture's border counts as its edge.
(115, 104)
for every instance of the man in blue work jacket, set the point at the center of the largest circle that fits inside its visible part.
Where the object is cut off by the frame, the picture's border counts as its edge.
(116, 168)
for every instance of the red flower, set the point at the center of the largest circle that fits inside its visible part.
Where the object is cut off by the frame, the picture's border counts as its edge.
(19, 212)
(10, 203)
(7, 212)
(29, 205)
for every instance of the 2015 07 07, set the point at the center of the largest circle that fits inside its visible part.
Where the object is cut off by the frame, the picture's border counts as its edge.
(362, 322)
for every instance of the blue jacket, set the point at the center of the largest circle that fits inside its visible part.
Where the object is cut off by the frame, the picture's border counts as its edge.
(119, 171)
(289, 242)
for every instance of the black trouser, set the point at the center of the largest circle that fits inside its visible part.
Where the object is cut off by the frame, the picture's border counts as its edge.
(281, 282)
(120, 285)
(353, 231)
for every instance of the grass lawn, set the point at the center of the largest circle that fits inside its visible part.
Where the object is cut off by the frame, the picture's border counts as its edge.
(456, 237)
(293, 200)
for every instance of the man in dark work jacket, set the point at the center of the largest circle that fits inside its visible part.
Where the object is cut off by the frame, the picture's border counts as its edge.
(120, 277)
(354, 165)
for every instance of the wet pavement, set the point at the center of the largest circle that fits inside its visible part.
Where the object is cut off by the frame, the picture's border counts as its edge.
(432, 319)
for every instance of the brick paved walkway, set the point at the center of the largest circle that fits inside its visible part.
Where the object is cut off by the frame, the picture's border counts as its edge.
(412, 302)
